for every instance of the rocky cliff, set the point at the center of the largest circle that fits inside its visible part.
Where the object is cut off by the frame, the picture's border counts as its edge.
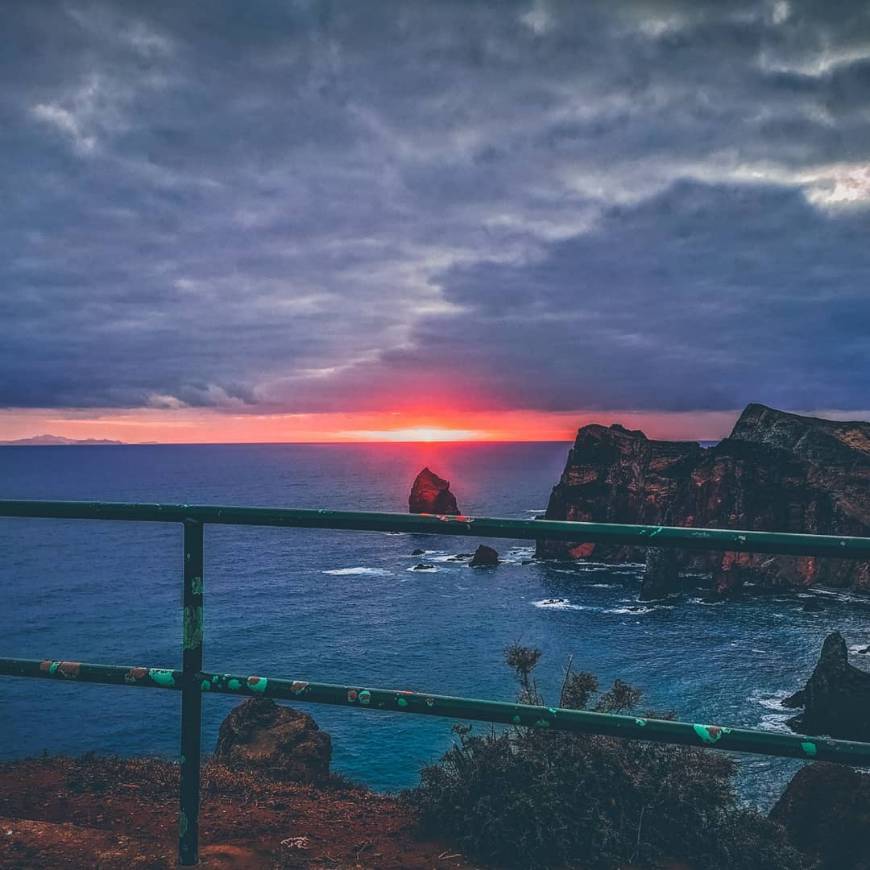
(776, 472)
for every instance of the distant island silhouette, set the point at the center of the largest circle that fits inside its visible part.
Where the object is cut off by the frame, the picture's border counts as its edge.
(59, 441)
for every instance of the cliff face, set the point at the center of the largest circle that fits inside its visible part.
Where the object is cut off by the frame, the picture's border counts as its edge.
(776, 472)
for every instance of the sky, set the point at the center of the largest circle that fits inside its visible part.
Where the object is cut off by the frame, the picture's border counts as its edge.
(359, 221)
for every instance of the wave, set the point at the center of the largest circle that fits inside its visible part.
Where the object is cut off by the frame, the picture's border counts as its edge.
(777, 716)
(358, 571)
(841, 595)
(525, 552)
(637, 610)
(628, 609)
(770, 700)
(775, 722)
(559, 604)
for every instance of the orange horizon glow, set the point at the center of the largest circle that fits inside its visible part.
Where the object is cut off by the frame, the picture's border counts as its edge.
(214, 426)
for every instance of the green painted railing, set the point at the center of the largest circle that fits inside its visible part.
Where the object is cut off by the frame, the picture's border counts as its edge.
(192, 681)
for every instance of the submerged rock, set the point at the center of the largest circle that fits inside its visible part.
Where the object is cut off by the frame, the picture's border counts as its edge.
(776, 472)
(484, 557)
(825, 810)
(431, 494)
(276, 740)
(422, 566)
(418, 552)
(836, 698)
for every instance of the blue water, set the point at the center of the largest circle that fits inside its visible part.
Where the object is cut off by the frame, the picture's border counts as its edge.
(344, 607)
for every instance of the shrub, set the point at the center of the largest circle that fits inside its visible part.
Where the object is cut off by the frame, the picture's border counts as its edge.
(529, 798)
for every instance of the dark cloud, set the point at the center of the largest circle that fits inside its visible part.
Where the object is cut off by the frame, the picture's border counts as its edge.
(314, 206)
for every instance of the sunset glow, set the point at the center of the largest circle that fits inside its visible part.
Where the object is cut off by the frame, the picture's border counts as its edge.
(209, 426)
(419, 433)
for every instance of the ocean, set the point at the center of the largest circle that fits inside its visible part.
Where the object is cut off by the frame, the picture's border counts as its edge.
(346, 607)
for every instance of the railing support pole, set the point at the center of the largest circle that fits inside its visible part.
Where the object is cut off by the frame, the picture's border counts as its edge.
(191, 696)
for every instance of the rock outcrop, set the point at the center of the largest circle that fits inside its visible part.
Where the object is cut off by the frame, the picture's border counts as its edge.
(825, 810)
(836, 698)
(275, 740)
(661, 573)
(431, 494)
(484, 557)
(776, 472)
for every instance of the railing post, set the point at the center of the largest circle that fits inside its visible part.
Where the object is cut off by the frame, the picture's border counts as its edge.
(191, 696)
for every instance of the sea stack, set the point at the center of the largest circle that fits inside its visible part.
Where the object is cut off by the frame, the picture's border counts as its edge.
(431, 494)
(836, 698)
(776, 472)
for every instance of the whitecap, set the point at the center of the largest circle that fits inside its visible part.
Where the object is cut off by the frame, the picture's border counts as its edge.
(771, 700)
(358, 571)
(842, 595)
(639, 610)
(775, 722)
(558, 604)
(522, 552)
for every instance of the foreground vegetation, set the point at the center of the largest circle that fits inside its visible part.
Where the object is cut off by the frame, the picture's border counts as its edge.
(529, 798)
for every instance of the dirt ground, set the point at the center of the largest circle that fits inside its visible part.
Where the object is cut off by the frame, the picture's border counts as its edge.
(106, 813)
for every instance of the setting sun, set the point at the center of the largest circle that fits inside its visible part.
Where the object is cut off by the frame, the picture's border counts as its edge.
(421, 433)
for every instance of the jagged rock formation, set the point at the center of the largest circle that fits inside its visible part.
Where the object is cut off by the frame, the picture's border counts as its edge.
(431, 494)
(825, 810)
(661, 573)
(836, 698)
(776, 472)
(484, 557)
(275, 740)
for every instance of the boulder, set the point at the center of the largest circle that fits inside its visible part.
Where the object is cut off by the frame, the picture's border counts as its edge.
(825, 810)
(431, 494)
(836, 698)
(484, 557)
(275, 740)
(776, 472)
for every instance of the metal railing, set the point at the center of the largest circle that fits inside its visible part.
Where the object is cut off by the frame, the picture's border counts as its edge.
(192, 681)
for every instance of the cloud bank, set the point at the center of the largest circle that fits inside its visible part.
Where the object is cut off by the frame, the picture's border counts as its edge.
(316, 207)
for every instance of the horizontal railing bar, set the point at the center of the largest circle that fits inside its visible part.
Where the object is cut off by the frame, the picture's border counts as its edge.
(83, 672)
(399, 701)
(482, 527)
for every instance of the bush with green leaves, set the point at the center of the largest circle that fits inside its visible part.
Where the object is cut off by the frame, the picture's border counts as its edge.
(529, 798)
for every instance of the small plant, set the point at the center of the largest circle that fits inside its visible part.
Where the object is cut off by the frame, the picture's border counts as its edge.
(529, 798)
